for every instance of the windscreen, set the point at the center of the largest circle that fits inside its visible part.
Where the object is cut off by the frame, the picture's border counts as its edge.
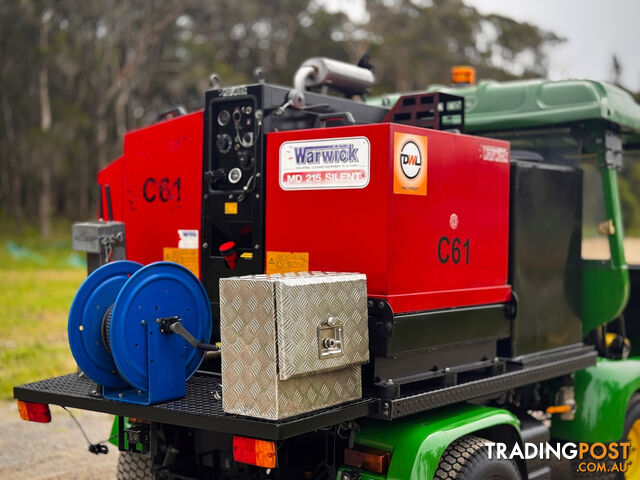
(559, 146)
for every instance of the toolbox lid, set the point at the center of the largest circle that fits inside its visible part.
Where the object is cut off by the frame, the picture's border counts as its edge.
(320, 318)
(322, 322)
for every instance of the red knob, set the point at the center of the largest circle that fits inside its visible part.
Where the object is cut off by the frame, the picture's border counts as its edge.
(228, 251)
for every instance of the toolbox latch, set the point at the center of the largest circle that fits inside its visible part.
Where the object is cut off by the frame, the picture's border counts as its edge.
(330, 338)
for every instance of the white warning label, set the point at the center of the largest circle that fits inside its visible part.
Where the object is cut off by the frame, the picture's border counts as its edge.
(492, 153)
(188, 239)
(330, 163)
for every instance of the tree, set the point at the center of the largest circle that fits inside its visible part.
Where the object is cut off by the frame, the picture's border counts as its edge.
(616, 68)
(77, 75)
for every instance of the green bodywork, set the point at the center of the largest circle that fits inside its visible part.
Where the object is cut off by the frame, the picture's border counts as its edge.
(522, 104)
(113, 438)
(417, 442)
(602, 395)
(605, 284)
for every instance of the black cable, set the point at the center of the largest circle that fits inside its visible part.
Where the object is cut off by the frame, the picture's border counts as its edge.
(101, 205)
(95, 448)
(107, 192)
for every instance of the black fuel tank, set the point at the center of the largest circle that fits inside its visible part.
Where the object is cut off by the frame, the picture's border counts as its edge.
(545, 257)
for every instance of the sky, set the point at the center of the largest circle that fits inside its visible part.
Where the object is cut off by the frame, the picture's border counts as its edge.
(595, 30)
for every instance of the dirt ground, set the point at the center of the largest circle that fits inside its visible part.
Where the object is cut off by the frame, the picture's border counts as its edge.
(56, 450)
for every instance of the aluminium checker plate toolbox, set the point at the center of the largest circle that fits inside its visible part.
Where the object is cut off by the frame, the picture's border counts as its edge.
(292, 343)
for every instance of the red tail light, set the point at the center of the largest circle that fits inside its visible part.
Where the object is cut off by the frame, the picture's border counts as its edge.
(34, 412)
(261, 453)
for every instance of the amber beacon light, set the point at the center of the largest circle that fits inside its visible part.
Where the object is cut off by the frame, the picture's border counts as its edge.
(463, 74)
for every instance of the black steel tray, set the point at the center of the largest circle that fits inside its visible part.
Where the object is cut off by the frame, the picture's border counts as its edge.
(517, 374)
(198, 409)
(201, 408)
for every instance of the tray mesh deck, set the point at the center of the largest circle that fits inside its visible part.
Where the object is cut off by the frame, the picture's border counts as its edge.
(200, 408)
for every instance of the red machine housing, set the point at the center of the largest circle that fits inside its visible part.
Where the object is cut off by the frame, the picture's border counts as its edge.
(156, 189)
(423, 213)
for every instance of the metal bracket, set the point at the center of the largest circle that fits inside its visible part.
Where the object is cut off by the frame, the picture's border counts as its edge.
(138, 435)
(330, 339)
(135, 435)
(511, 307)
(613, 150)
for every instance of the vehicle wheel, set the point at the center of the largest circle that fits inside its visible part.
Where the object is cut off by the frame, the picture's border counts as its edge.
(467, 459)
(134, 466)
(632, 435)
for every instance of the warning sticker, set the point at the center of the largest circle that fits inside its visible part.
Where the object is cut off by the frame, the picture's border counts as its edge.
(284, 262)
(188, 239)
(230, 208)
(187, 257)
(330, 163)
(409, 164)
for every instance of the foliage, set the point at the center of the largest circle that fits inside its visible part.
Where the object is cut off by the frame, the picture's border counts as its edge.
(77, 75)
(35, 294)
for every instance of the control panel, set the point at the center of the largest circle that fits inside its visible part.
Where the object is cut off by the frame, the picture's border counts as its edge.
(236, 121)
(236, 130)
(233, 208)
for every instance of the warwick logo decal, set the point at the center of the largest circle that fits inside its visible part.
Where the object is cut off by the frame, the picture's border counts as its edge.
(328, 163)
(337, 153)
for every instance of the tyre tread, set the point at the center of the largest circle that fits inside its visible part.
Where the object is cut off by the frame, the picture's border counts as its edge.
(457, 456)
(459, 459)
(134, 466)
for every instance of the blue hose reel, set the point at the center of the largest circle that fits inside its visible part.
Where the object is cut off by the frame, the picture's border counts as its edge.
(134, 330)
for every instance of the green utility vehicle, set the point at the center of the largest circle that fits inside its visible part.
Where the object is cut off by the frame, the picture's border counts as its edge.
(594, 126)
(542, 382)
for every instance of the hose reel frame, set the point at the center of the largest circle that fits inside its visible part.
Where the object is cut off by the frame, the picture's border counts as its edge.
(139, 363)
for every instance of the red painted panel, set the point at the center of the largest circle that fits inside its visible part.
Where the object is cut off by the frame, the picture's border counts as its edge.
(440, 241)
(160, 185)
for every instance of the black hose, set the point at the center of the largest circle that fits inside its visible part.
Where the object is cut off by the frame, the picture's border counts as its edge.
(100, 202)
(107, 189)
(95, 448)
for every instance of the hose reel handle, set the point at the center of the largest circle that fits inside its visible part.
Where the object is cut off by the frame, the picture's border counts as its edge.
(170, 325)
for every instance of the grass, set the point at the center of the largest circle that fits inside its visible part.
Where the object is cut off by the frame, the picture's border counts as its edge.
(37, 283)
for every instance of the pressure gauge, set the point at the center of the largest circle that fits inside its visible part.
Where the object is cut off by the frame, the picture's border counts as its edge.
(235, 174)
(223, 142)
(223, 118)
